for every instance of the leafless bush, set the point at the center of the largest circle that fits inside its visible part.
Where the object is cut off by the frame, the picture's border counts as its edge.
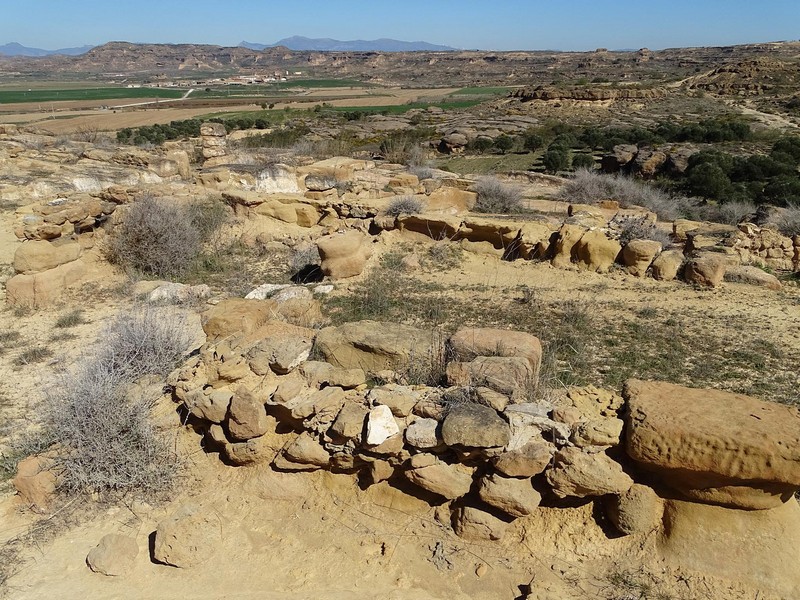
(405, 205)
(87, 133)
(732, 213)
(788, 220)
(589, 187)
(164, 238)
(632, 228)
(157, 237)
(494, 196)
(146, 341)
(427, 367)
(303, 256)
(100, 422)
(421, 171)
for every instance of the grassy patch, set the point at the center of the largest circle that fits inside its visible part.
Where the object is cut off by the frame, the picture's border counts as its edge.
(36, 354)
(71, 319)
(585, 340)
(483, 165)
(115, 93)
(482, 91)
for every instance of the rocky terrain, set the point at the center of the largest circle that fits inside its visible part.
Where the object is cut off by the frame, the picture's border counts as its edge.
(706, 66)
(384, 391)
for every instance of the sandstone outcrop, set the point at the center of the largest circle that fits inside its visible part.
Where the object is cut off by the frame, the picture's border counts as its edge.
(714, 446)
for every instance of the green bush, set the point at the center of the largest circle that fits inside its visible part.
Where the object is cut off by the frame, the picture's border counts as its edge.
(555, 160)
(582, 161)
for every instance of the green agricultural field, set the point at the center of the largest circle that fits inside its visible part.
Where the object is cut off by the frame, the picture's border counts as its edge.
(112, 93)
(322, 83)
(276, 88)
(482, 91)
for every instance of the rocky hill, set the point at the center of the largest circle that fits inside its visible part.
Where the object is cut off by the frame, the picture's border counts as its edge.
(776, 62)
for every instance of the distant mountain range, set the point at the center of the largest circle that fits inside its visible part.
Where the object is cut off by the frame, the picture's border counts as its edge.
(15, 49)
(328, 45)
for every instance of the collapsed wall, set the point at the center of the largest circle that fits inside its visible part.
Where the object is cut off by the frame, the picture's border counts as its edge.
(697, 468)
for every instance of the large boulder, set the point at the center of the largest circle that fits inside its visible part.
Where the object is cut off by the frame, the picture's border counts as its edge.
(42, 289)
(639, 510)
(564, 247)
(757, 547)
(667, 265)
(714, 446)
(373, 346)
(515, 497)
(468, 343)
(597, 252)
(476, 525)
(344, 254)
(707, 270)
(638, 255)
(37, 256)
(246, 416)
(526, 461)
(450, 200)
(513, 376)
(446, 480)
(35, 482)
(753, 276)
(240, 316)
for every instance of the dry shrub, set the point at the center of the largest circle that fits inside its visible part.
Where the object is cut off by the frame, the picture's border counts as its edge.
(589, 187)
(639, 228)
(100, 423)
(788, 220)
(732, 213)
(156, 238)
(405, 205)
(494, 196)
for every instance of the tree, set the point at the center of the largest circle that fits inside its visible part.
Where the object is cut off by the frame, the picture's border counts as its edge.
(481, 144)
(710, 181)
(532, 141)
(504, 143)
(555, 160)
(582, 161)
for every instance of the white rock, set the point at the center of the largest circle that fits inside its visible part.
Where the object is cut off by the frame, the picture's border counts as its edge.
(178, 292)
(295, 292)
(263, 292)
(380, 425)
(323, 289)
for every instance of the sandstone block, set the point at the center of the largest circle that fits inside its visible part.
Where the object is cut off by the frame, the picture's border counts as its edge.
(114, 555)
(189, 537)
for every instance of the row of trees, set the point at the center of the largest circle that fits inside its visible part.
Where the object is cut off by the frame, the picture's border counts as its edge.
(766, 178)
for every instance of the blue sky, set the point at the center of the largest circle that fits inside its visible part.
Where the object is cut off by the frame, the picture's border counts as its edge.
(497, 25)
